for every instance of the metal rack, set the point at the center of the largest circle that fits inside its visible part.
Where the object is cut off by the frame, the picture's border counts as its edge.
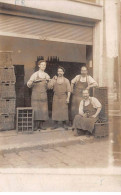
(25, 120)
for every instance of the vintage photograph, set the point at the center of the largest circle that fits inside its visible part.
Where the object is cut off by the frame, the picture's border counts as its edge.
(60, 95)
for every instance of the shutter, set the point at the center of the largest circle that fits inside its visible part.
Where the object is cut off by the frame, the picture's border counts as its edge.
(17, 26)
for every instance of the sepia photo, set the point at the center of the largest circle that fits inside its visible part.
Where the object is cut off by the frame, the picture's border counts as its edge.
(60, 95)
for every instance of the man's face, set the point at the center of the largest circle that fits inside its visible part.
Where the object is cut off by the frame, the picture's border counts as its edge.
(83, 71)
(42, 66)
(85, 94)
(60, 72)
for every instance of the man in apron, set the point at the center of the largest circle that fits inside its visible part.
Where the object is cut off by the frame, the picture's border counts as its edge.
(89, 110)
(78, 84)
(39, 81)
(62, 90)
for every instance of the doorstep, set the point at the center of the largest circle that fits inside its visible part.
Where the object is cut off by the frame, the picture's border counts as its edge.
(11, 141)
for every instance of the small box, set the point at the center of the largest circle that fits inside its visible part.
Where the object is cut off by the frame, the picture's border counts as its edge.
(7, 90)
(100, 130)
(7, 106)
(7, 122)
(7, 75)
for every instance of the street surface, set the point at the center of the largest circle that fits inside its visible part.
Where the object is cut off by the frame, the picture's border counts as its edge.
(116, 140)
(95, 154)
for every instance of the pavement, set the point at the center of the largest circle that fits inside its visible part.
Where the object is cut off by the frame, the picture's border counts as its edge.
(11, 140)
(87, 155)
(56, 160)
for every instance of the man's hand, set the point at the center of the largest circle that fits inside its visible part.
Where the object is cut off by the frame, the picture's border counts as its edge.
(84, 115)
(37, 81)
(55, 77)
(93, 116)
(88, 88)
(67, 100)
(48, 80)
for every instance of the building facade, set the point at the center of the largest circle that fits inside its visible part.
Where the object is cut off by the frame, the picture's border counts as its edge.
(77, 32)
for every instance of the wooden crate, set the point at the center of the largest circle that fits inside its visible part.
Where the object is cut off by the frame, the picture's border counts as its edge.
(7, 75)
(7, 106)
(100, 130)
(101, 93)
(7, 90)
(5, 58)
(25, 120)
(7, 122)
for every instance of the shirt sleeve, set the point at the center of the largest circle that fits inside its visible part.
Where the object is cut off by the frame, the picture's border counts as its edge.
(76, 78)
(91, 81)
(81, 108)
(51, 83)
(47, 76)
(31, 80)
(96, 103)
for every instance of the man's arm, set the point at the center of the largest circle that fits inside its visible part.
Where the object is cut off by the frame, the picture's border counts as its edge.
(96, 105)
(31, 81)
(81, 109)
(68, 97)
(97, 112)
(51, 82)
(73, 81)
(92, 85)
(91, 82)
(68, 91)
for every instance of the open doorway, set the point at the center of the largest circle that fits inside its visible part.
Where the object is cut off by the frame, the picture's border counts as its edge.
(23, 93)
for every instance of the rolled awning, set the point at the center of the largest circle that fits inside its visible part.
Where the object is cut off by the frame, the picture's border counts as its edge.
(19, 26)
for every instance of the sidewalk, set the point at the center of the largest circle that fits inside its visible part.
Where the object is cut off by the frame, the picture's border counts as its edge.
(10, 140)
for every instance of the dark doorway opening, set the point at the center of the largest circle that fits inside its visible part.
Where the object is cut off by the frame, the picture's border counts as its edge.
(23, 93)
(19, 86)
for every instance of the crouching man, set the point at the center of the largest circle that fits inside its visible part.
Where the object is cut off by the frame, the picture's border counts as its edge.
(89, 110)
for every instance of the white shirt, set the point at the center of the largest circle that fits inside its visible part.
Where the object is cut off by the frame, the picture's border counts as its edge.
(88, 78)
(39, 74)
(94, 101)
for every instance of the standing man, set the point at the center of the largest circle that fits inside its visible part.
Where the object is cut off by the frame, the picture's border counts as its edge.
(39, 81)
(62, 90)
(89, 110)
(78, 84)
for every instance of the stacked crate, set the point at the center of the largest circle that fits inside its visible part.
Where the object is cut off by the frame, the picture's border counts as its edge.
(101, 126)
(7, 92)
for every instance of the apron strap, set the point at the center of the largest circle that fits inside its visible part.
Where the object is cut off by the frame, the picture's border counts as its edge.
(83, 105)
(87, 79)
(37, 75)
(63, 80)
(90, 102)
(78, 79)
